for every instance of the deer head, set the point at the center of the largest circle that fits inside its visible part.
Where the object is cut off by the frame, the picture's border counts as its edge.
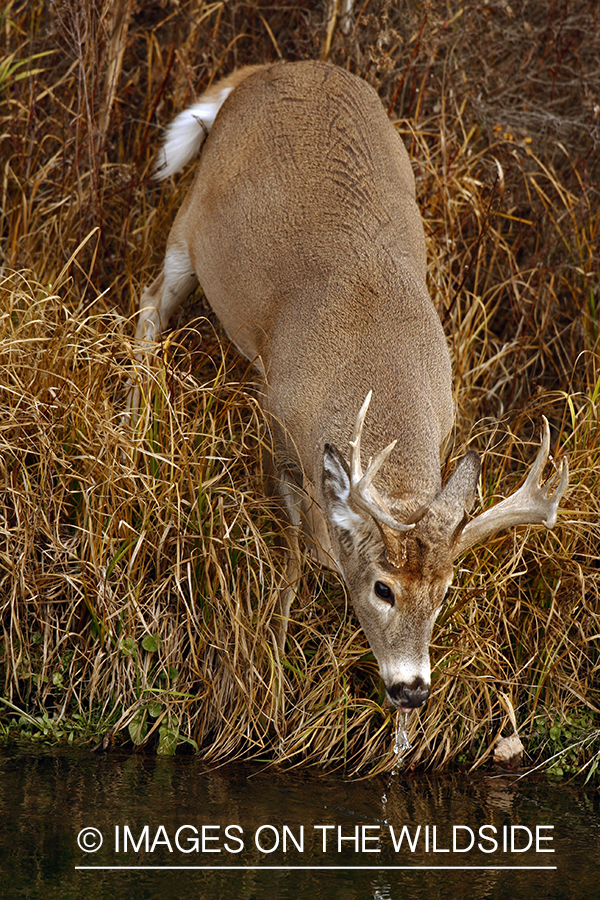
(398, 571)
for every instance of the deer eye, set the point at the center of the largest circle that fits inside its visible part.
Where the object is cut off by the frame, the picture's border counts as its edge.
(384, 592)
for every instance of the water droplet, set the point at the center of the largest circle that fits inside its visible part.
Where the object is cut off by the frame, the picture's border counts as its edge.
(402, 743)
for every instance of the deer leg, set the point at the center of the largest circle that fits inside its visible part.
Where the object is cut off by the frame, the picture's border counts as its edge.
(166, 294)
(160, 300)
(288, 491)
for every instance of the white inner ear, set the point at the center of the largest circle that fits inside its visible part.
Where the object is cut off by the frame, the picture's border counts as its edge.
(343, 517)
(340, 513)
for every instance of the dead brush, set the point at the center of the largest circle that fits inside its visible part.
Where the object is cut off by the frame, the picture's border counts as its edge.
(524, 621)
(139, 568)
(93, 518)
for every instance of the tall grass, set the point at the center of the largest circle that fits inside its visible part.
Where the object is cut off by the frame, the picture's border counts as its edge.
(140, 568)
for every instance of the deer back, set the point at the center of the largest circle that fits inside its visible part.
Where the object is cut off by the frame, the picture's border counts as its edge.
(303, 228)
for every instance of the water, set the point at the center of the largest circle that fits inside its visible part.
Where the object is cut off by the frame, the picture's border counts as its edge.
(402, 743)
(251, 832)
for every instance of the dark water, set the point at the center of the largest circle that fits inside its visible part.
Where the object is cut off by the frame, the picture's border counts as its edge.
(222, 833)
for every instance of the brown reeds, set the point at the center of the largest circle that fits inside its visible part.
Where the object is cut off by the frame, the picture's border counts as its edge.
(140, 567)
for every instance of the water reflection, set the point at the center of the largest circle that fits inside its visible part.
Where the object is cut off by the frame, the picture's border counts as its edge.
(291, 835)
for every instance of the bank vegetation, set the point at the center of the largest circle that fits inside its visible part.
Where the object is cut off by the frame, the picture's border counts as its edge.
(140, 567)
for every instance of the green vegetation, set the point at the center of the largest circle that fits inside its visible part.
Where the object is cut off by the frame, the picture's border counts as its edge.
(140, 566)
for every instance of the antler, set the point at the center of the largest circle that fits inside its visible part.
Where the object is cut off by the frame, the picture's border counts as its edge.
(360, 484)
(532, 504)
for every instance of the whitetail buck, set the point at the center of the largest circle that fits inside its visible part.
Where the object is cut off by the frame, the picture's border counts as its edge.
(303, 230)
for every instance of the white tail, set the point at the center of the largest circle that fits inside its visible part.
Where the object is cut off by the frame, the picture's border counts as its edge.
(187, 131)
(303, 229)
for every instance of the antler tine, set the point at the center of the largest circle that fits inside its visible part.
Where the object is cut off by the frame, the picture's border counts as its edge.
(546, 496)
(533, 503)
(360, 484)
(355, 464)
(355, 467)
(534, 474)
(556, 485)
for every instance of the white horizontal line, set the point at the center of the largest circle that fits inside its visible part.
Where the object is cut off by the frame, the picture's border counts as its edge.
(320, 868)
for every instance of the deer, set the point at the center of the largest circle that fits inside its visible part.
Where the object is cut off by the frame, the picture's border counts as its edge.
(303, 229)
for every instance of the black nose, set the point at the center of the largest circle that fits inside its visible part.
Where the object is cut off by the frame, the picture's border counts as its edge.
(409, 696)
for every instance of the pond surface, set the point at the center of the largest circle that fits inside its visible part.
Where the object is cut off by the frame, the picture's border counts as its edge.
(251, 832)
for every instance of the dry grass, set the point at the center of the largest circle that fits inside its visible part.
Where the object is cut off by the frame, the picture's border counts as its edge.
(139, 572)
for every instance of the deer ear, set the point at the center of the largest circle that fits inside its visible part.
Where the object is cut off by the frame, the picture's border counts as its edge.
(461, 488)
(336, 491)
(456, 498)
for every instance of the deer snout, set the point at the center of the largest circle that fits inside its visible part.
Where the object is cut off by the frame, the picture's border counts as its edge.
(409, 696)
